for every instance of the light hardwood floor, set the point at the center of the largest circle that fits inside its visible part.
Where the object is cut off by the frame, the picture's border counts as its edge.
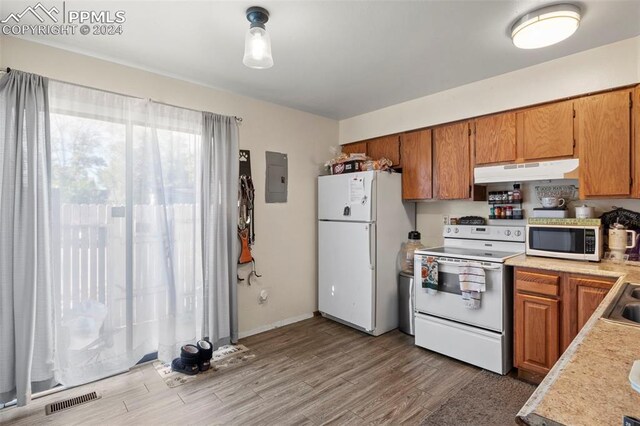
(312, 372)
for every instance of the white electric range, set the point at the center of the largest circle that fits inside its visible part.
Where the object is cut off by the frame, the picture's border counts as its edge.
(443, 324)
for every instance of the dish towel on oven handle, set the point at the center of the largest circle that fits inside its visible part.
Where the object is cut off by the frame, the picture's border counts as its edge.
(472, 284)
(429, 271)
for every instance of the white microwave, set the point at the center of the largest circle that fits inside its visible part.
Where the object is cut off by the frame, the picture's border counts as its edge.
(575, 242)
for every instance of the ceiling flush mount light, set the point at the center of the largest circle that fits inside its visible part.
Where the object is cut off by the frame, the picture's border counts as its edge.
(257, 43)
(546, 26)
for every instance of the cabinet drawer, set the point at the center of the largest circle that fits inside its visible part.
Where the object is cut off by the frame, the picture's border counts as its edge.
(479, 347)
(537, 282)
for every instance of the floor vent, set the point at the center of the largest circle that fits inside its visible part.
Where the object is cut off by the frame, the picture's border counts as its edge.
(54, 407)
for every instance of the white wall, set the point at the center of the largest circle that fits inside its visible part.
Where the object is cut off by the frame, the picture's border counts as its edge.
(285, 247)
(613, 65)
(430, 214)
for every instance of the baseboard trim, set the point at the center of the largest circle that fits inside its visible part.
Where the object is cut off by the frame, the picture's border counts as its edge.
(276, 324)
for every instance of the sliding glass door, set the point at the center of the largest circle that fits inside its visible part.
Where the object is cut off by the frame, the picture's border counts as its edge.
(125, 211)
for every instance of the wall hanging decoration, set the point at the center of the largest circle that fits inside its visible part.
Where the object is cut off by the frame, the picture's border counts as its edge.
(246, 212)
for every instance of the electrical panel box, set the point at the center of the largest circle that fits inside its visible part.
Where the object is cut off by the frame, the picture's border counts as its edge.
(277, 177)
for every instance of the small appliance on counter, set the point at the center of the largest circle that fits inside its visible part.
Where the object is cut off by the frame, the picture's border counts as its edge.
(619, 241)
(574, 239)
(618, 218)
(584, 212)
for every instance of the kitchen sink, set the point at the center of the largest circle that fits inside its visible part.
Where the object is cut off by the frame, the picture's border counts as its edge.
(626, 308)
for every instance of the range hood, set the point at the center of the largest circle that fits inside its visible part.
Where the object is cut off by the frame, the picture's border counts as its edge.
(544, 170)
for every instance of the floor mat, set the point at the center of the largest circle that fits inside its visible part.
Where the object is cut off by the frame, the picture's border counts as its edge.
(489, 399)
(224, 357)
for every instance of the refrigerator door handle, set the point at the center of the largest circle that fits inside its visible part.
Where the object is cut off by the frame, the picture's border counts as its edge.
(372, 265)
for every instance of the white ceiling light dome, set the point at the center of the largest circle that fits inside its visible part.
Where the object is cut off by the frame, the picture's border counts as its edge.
(546, 26)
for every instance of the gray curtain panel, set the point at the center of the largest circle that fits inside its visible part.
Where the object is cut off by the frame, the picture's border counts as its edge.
(26, 294)
(219, 227)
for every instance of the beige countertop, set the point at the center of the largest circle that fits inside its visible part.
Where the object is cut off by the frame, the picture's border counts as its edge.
(589, 384)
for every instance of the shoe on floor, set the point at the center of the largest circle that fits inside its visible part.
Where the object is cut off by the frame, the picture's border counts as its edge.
(180, 366)
(205, 350)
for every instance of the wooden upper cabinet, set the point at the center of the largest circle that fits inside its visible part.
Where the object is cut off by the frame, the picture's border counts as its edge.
(546, 131)
(536, 333)
(355, 148)
(385, 147)
(452, 162)
(495, 138)
(581, 297)
(417, 171)
(604, 138)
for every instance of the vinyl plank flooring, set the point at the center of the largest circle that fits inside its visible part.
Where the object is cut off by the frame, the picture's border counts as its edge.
(345, 418)
(396, 409)
(450, 376)
(199, 395)
(310, 373)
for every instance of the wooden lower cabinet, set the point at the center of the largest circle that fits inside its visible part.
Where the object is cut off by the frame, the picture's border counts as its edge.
(536, 333)
(550, 308)
(581, 296)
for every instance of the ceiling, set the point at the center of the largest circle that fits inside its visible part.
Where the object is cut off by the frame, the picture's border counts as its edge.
(336, 58)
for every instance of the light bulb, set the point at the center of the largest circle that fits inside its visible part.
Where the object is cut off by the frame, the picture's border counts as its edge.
(257, 49)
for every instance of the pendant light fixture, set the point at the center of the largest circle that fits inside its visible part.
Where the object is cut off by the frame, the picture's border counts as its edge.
(546, 26)
(257, 43)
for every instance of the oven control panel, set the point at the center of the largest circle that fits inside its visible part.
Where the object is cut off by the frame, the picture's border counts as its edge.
(485, 232)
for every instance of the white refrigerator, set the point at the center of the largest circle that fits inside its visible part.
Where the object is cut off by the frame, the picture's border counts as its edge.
(362, 223)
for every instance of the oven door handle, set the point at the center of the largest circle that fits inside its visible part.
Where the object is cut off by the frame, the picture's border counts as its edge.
(444, 262)
(486, 268)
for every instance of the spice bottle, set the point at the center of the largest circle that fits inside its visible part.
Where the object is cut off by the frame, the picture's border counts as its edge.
(509, 212)
(517, 194)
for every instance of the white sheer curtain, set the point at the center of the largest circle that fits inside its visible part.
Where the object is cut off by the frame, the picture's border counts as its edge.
(26, 308)
(126, 216)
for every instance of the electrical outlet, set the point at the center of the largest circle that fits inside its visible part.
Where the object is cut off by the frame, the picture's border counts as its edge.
(263, 295)
(445, 220)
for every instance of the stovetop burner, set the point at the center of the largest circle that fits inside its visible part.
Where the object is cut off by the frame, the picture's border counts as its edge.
(475, 253)
(489, 243)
